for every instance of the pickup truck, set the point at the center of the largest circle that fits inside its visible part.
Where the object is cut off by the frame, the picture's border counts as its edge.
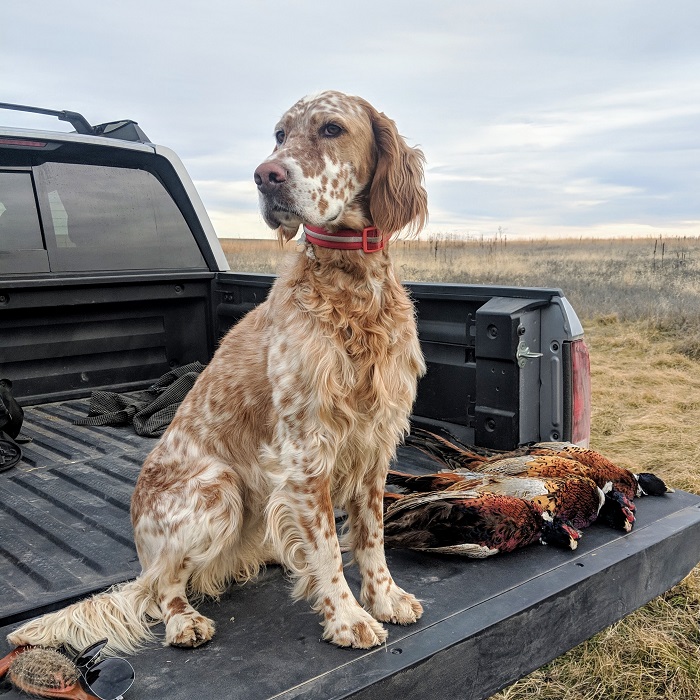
(111, 275)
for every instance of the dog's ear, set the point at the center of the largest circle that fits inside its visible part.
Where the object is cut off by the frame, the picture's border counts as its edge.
(397, 198)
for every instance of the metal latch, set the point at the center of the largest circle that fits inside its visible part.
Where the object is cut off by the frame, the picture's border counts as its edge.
(524, 354)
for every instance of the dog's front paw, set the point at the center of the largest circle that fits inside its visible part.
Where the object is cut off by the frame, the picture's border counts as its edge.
(394, 605)
(356, 628)
(188, 630)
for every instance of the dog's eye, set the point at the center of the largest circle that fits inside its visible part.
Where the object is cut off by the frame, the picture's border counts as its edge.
(331, 130)
(279, 136)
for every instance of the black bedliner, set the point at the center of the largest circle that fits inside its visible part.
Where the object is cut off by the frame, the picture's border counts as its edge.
(66, 532)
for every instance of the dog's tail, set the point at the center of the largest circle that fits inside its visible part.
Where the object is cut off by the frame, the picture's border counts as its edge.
(123, 615)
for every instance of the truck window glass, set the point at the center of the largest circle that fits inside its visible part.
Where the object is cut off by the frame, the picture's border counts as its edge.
(19, 219)
(109, 218)
(21, 242)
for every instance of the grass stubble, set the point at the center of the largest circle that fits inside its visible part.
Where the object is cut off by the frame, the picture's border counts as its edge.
(639, 301)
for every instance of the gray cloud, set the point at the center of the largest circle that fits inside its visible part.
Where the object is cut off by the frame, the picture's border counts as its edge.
(539, 117)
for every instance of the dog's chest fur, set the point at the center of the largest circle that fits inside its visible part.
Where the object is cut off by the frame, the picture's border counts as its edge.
(364, 348)
(345, 369)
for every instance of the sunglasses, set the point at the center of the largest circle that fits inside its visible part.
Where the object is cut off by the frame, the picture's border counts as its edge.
(108, 678)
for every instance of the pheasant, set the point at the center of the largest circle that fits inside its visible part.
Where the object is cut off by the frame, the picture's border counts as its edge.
(455, 455)
(575, 499)
(644, 484)
(472, 524)
(448, 450)
(622, 480)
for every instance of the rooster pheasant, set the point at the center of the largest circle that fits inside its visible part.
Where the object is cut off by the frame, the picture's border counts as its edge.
(471, 524)
(456, 455)
(576, 499)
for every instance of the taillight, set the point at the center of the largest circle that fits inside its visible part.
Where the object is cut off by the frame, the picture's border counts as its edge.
(578, 411)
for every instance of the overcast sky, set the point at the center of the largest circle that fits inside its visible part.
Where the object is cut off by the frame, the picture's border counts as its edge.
(544, 117)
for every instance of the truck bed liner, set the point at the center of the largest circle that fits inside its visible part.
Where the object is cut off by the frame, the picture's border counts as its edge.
(64, 511)
(66, 532)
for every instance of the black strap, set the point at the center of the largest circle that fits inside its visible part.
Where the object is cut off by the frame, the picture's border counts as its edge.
(10, 452)
(11, 413)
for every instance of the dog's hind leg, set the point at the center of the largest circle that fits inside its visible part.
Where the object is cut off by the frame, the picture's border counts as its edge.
(169, 564)
(184, 626)
(185, 542)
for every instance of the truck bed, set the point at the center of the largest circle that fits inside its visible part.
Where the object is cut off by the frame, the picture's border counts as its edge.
(64, 518)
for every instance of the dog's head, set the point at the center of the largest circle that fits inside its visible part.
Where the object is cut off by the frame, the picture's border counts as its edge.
(340, 164)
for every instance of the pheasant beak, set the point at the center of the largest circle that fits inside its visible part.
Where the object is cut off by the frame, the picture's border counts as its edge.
(559, 533)
(574, 535)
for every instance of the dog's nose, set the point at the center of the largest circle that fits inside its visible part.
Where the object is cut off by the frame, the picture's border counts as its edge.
(269, 176)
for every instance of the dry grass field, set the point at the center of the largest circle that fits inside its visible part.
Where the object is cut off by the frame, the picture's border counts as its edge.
(634, 279)
(639, 300)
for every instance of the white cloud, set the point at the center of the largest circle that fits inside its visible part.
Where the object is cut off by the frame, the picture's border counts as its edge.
(534, 116)
(238, 223)
(237, 192)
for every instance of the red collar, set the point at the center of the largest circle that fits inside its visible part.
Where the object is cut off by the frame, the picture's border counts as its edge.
(369, 239)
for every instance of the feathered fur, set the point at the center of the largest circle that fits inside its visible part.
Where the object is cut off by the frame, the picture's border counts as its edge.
(456, 455)
(472, 524)
(300, 409)
(572, 497)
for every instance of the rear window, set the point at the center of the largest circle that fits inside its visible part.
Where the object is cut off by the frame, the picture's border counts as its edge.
(21, 242)
(95, 218)
(19, 221)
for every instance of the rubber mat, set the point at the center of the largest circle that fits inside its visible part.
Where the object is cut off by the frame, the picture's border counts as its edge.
(64, 511)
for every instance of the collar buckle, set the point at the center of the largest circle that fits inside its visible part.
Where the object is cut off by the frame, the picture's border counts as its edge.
(372, 246)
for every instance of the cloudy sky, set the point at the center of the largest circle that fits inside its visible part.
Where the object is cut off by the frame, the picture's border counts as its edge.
(545, 117)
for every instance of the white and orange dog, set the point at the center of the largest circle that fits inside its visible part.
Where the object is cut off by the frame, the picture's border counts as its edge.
(300, 409)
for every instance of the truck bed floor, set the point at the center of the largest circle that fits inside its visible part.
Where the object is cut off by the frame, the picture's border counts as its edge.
(66, 532)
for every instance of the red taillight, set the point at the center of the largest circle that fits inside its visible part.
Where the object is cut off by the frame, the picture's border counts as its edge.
(25, 143)
(580, 393)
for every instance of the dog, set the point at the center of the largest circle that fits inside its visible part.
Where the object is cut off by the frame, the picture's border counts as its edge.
(300, 409)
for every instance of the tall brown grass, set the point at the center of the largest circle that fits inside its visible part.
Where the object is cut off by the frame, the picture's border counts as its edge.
(642, 278)
(639, 300)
